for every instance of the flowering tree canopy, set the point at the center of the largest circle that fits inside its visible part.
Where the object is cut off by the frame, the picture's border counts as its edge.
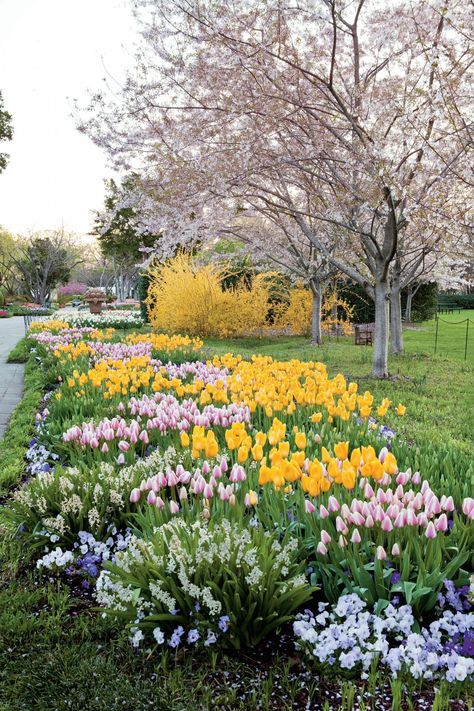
(351, 121)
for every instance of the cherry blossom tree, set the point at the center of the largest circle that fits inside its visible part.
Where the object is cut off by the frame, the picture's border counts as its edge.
(335, 115)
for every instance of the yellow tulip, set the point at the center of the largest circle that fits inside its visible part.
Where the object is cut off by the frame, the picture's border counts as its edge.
(341, 450)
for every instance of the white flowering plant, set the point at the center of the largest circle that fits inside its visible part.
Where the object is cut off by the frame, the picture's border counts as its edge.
(181, 583)
(351, 638)
(107, 319)
(65, 501)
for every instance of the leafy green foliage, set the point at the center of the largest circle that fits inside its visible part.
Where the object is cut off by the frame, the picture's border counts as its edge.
(6, 132)
(246, 575)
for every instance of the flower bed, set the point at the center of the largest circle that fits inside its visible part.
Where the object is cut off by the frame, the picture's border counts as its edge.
(213, 502)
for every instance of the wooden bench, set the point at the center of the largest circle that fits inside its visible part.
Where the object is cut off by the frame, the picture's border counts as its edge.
(364, 334)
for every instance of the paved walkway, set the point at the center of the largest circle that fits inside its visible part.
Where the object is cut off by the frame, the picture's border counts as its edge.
(11, 374)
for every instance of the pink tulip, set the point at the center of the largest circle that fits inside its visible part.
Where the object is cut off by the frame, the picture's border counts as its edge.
(368, 491)
(369, 522)
(321, 549)
(172, 478)
(325, 538)
(358, 519)
(355, 538)
(416, 478)
(333, 504)
(395, 549)
(340, 525)
(104, 449)
(380, 553)
(160, 504)
(430, 530)
(151, 498)
(401, 519)
(135, 496)
(174, 508)
(323, 512)
(123, 446)
(387, 525)
(207, 493)
(144, 437)
(183, 494)
(468, 507)
(442, 523)
(345, 512)
(120, 459)
(449, 504)
(342, 542)
(309, 507)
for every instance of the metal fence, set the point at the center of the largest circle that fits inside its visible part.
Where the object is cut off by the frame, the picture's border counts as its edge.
(27, 320)
(459, 335)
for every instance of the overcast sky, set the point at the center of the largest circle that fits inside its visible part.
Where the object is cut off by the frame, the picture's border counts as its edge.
(51, 52)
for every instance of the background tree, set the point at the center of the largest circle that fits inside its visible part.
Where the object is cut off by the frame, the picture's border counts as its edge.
(117, 229)
(44, 260)
(9, 277)
(6, 132)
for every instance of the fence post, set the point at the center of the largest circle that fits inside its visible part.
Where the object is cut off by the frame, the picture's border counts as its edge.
(436, 334)
(467, 335)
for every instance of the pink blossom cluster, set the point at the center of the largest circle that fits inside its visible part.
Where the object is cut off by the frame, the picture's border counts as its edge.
(207, 481)
(187, 412)
(162, 412)
(63, 337)
(388, 509)
(207, 372)
(73, 288)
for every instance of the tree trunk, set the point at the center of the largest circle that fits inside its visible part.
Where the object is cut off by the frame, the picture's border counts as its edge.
(396, 318)
(409, 304)
(316, 339)
(380, 351)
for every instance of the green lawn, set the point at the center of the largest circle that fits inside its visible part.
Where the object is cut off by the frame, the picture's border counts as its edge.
(437, 390)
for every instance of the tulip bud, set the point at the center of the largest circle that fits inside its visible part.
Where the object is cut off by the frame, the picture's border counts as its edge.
(430, 530)
(309, 507)
(135, 496)
(387, 525)
(183, 494)
(442, 523)
(207, 493)
(381, 554)
(321, 549)
(151, 498)
(333, 504)
(355, 538)
(323, 512)
(325, 538)
(395, 549)
(174, 508)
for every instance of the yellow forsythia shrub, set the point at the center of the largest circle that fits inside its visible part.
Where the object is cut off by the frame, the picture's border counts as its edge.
(296, 318)
(187, 298)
